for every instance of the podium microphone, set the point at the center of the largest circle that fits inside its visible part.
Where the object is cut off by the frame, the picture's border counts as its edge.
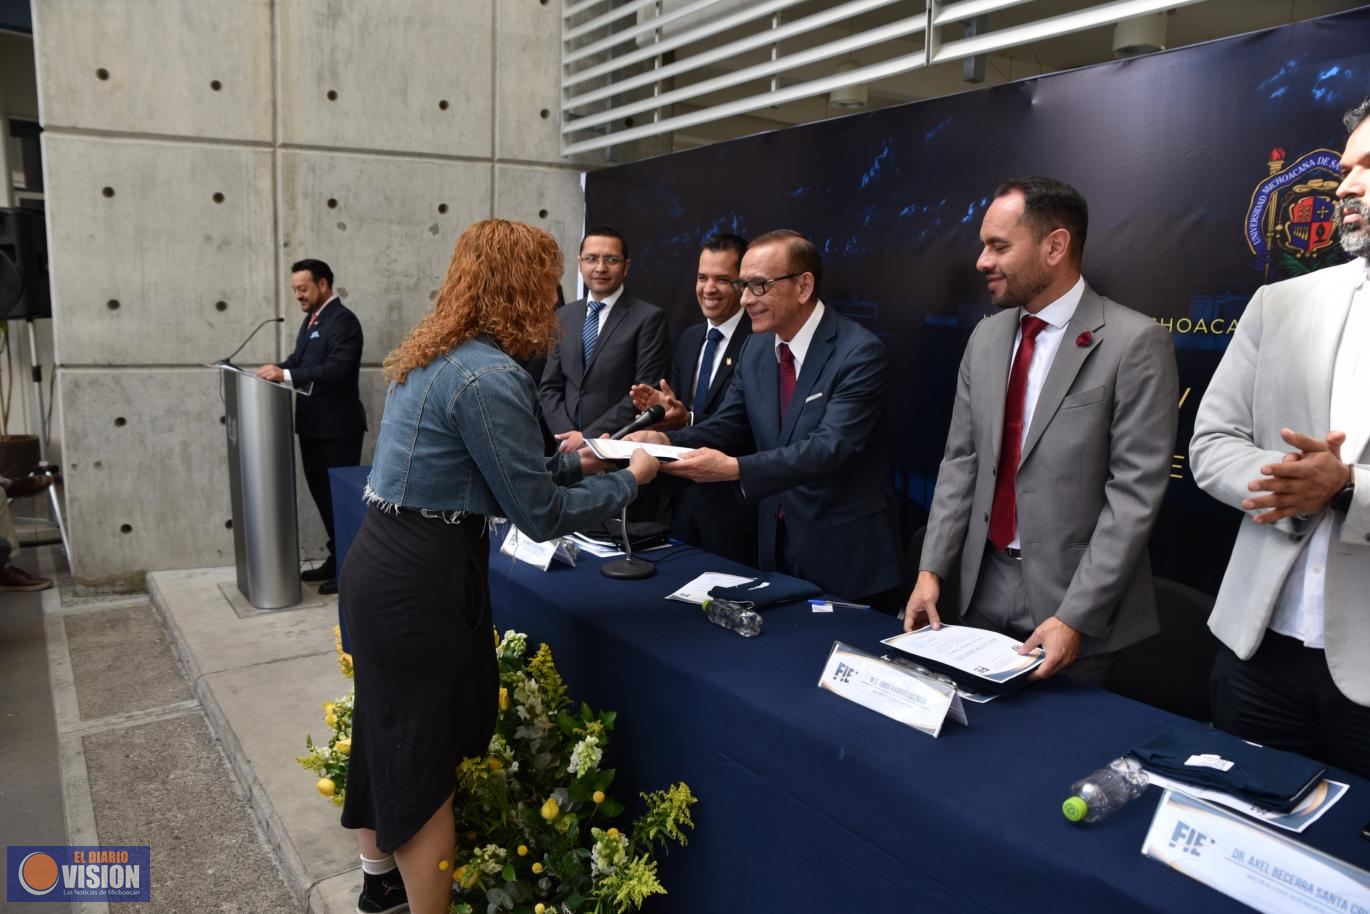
(270, 320)
(645, 419)
(630, 568)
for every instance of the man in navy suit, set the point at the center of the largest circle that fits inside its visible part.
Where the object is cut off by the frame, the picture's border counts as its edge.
(331, 420)
(609, 342)
(810, 388)
(712, 516)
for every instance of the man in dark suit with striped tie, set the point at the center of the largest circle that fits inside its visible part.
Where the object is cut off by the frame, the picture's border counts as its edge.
(331, 421)
(609, 342)
(712, 516)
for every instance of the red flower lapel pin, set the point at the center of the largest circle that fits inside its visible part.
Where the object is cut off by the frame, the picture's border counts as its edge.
(1084, 339)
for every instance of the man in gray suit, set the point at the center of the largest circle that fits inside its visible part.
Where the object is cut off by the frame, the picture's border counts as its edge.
(1059, 449)
(1282, 433)
(609, 342)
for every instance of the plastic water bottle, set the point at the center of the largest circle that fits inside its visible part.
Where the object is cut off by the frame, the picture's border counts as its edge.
(734, 616)
(1105, 791)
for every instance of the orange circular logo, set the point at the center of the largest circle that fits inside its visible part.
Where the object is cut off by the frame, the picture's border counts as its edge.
(38, 873)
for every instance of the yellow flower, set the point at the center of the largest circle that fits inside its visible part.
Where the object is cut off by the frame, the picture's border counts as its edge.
(326, 786)
(523, 850)
(503, 699)
(456, 874)
(598, 797)
(344, 746)
(495, 632)
(537, 868)
(612, 831)
(494, 763)
(550, 809)
(443, 865)
(331, 719)
(539, 908)
(328, 707)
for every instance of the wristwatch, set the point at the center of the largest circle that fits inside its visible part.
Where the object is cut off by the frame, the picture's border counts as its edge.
(1342, 500)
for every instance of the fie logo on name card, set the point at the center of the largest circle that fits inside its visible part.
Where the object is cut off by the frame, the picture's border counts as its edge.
(114, 873)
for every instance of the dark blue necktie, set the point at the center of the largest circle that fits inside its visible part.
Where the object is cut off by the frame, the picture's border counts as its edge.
(706, 368)
(590, 333)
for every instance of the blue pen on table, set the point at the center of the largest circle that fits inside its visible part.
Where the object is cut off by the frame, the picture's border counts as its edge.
(837, 604)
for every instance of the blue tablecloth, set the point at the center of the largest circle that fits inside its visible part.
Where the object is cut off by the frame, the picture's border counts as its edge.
(811, 804)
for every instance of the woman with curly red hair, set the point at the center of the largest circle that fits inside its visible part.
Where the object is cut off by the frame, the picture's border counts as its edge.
(459, 443)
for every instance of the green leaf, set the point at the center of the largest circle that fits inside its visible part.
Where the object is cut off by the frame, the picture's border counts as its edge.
(608, 717)
(585, 713)
(508, 874)
(605, 778)
(580, 792)
(610, 808)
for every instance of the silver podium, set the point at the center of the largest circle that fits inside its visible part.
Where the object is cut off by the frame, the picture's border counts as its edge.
(261, 473)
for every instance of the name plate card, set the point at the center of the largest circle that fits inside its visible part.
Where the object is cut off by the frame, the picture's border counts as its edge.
(896, 692)
(1246, 861)
(526, 549)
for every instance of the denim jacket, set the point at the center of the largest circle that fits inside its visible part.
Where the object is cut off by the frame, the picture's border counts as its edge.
(460, 436)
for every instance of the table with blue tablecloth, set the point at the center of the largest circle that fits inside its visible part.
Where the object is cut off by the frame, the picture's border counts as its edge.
(809, 803)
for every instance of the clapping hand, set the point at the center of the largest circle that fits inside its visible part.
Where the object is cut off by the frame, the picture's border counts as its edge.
(645, 395)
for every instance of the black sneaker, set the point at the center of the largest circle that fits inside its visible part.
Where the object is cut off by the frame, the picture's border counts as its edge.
(324, 572)
(383, 894)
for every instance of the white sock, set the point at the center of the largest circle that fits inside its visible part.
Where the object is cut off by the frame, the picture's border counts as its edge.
(377, 867)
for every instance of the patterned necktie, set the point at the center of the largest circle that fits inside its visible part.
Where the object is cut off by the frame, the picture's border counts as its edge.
(1003, 520)
(786, 379)
(706, 368)
(590, 332)
(314, 317)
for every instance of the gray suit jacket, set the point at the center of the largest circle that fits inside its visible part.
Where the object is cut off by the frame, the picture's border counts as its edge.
(1277, 373)
(1095, 465)
(631, 349)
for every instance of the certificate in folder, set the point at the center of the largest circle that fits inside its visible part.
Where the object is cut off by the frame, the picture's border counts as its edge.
(977, 660)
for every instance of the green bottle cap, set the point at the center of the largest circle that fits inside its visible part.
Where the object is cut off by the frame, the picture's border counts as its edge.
(1075, 808)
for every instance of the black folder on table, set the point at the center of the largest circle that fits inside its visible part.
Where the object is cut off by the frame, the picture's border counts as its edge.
(1269, 778)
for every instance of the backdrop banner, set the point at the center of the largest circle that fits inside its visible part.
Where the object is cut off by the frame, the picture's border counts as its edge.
(1209, 171)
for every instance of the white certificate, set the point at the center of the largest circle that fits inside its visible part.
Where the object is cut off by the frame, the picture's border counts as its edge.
(697, 591)
(1251, 863)
(609, 449)
(986, 654)
(1321, 798)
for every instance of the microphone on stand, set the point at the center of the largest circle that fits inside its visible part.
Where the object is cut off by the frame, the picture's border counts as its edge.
(629, 568)
(270, 320)
(645, 419)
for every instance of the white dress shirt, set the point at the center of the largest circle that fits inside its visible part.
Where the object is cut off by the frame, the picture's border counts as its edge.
(1300, 610)
(608, 302)
(799, 345)
(1057, 315)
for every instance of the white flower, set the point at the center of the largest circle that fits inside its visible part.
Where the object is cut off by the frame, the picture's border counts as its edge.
(585, 756)
(514, 645)
(609, 853)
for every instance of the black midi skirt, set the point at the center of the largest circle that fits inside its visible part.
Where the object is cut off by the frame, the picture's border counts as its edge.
(416, 597)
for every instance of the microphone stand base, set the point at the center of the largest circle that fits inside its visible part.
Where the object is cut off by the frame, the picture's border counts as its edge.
(628, 569)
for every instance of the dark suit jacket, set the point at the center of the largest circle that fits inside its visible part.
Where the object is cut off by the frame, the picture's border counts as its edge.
(712, 516)
(330, 358)
(631, 349)
(828, 466)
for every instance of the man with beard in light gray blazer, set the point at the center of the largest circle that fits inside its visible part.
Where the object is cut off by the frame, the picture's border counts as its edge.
(1282, 433)
(1059, 450)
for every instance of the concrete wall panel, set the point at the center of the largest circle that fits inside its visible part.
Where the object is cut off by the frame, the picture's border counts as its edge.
(388, 235)
(549, 198)
(528, 81)
(374, 74)
(146, 472)
(160, 61)
(137, 224)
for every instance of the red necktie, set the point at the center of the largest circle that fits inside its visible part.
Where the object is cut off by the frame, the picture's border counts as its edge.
(1003, 520)
(786, 379)
(314, 318)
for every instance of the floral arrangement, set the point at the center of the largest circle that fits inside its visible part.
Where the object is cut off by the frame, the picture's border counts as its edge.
(535, 811)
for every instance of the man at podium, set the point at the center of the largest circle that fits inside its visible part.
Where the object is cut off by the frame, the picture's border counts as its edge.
(331, 420)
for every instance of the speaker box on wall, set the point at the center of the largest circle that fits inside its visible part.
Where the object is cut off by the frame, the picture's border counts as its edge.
(23, 265)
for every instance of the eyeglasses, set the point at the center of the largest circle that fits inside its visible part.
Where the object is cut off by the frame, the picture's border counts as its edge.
(609, 260)
(759, 287)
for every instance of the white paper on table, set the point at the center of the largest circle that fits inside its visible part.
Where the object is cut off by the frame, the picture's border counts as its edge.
(697, 591)
(610, 449)
(1321, 798)
(986, 654)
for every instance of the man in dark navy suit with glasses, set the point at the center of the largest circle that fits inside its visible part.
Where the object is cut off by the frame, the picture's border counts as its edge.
(331, 421)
